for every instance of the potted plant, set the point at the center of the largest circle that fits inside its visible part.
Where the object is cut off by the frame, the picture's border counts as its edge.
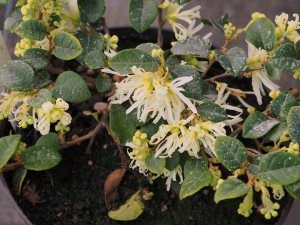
(170, 131)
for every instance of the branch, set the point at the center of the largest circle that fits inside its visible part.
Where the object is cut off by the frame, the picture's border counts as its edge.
(105, 27)
(212, 79)
(10, 167)
(98, 129)
(208, 69)
(160, 38)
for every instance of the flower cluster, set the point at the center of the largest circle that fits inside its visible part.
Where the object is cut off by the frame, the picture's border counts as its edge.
(17, 107)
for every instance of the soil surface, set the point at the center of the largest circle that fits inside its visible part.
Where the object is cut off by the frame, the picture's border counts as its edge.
(72, 193)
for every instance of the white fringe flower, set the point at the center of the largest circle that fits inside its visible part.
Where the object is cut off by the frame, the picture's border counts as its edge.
(176, 14)
(287, 28)
(260, 77)
(172, 176)
(153, 94)
(50, 113)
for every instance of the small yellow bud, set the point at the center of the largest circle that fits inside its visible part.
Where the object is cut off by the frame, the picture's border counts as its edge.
(251, 110)
(114, 39)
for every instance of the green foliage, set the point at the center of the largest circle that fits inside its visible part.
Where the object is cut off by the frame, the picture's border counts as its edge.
(275, 133)
(32, 29)
(293, 122)
(121, 124)
(91, 10)
(37, 58)
(94, 59)
(13, 19)
(233, 61)
(286, 58)
(89, 43)
(16, 75)
(43, 96)
(195, 46)
(142, 14)
(147, 47)
(40, 158)
(231, 152)
(261, 34)
(67, 46)
(219, 24)
(8, 146)
(103, 84)
(257, 125)
(231, 188)
(41, 79)
(294, 189)
(71, 87)
(281, 105)
(173, 162)
(18, 179)
(50, 140)
(194, 89)
(154, 164)
(279, 168)
(196, 176)
(212, 111)
(126, 59)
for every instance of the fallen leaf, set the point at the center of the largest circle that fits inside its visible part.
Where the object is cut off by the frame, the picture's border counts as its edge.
(112, 182)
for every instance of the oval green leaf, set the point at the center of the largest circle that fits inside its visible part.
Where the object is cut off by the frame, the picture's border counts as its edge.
(142, 14)
(230, 189)
(37, 58)
(67, 46)
(285, 57)
(293, 122)
(71, 87)
(155, 164)
(195, 46)
(32, 29)
(50, 140)
(91, 10)
(126, 59)
(212, 111)
(261, 34)
(8, 146)
(16, 75)
(279, 168)
(40, 158)
(231, 152)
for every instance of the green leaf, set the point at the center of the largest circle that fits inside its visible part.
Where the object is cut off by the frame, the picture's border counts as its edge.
(71, 87)
(32, 29)
(16, 75)
(273, 72)
(281, 105)
(8, 146)
(155, 164)
(131, 210)
(275, 133)
(151, 128)
(173, 162)
(294, 189)
(196, 176)
(285, 57)
(126, 59)
(122, 125)
(13, 19)
(18, 179)
(257, 125)
(297, 45)
(89, 43)
(91, 10)
(293, 122)
(147, 47)
(50, 140)
(195, 46)
(279, 168)
(181, 2)
(40, 158)
(231, 152)
(94, 59)
(41, 79)
(43, 96)
(230, 189)
(103, 84)
(233, 61)
(261, 34)
(67, 46)
(219, 24)
(194, 89)
(212, 111)
(37, 58)
(142, 14)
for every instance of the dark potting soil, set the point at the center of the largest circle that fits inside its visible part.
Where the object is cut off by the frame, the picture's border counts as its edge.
(72, 193)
